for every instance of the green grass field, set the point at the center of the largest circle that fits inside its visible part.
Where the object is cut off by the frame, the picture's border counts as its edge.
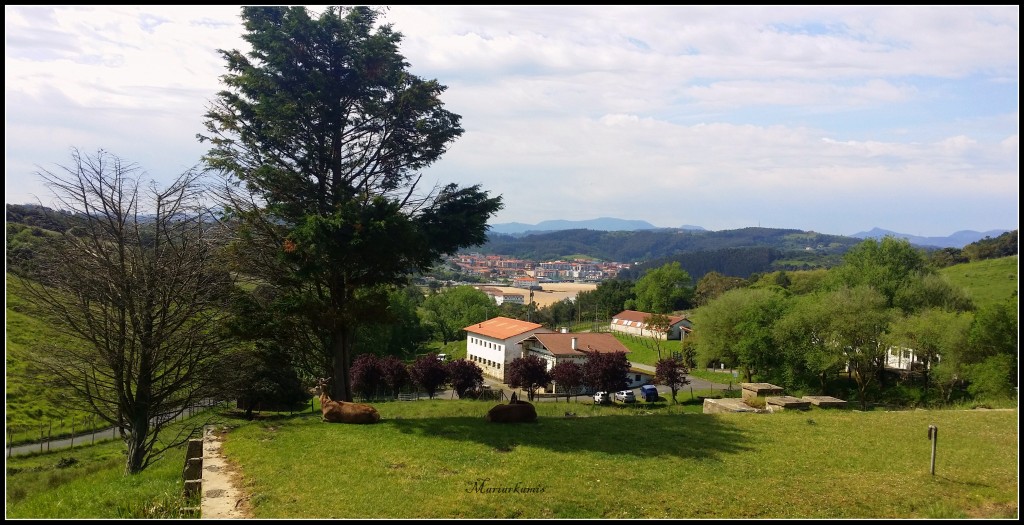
(441, 459)
(435, 459)
(642, 348)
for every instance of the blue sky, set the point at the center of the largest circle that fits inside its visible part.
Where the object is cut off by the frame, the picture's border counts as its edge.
(823, 118)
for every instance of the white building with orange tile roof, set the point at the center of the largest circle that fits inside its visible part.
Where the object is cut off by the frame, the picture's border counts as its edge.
(634, 322)
(494, 343)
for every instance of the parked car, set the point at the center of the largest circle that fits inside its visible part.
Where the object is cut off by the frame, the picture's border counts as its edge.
(602, 398)
(625, 396)
(649, 393)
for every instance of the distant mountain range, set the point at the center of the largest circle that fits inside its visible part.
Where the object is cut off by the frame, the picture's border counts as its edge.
(610, 224)
(605, 224)
(957, 240)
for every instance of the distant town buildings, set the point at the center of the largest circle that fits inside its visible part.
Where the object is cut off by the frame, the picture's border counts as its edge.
(525, 274)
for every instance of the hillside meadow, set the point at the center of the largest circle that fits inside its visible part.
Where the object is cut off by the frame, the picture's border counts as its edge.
(987, 282)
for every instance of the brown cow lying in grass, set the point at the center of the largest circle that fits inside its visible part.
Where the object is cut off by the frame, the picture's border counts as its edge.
(343, 411)
(514, 412)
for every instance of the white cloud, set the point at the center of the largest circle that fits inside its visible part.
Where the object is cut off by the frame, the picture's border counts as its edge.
(828, 118)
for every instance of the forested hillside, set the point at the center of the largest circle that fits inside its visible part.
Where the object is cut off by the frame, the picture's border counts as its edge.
(646, 245)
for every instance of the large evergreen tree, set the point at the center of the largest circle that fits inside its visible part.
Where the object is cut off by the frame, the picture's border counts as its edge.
(322, 131)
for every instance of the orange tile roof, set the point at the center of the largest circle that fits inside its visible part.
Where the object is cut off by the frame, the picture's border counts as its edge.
(502, 327)
(561, 344)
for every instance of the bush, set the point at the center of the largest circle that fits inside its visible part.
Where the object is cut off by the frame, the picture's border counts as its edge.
(993, 377)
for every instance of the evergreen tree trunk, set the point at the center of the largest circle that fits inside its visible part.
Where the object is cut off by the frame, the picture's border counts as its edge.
(341, 386)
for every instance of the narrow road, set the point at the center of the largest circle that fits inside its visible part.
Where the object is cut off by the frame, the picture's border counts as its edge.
(79, 439)
(59, 443)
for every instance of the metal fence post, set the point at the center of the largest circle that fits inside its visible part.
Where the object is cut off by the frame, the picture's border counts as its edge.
(933, 435)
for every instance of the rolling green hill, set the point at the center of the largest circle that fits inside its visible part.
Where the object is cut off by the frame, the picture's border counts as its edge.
(988, 281)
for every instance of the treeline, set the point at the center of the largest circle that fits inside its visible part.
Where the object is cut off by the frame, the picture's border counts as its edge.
(739, 262)
(37, 216)
(881, 327)
(647, 245)
(987, 248)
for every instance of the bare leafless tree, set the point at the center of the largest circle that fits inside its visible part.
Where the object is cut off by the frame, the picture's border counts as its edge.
(136, 283)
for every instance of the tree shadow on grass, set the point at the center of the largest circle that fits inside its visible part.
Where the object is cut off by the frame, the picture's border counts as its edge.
(686, 436)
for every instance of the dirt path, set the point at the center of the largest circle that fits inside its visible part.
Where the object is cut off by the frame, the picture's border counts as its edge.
(222, 482)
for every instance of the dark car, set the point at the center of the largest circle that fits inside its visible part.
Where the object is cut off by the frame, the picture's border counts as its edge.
(649, 393)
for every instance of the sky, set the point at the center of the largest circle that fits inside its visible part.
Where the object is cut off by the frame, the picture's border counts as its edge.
(834, 119)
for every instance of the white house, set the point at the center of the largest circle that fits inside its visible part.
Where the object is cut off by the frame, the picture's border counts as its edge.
(634, 322)
(555, 348)
(494, 343)
(905, 359)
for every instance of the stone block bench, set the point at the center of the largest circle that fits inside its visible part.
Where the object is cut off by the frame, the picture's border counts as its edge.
(788, 402)
(825, 401)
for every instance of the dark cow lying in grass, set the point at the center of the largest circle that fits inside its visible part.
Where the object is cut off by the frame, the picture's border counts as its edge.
(515, 411)
(343, 411)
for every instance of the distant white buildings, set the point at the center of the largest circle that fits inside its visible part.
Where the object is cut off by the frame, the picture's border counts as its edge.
(634, 322)
(503, 297)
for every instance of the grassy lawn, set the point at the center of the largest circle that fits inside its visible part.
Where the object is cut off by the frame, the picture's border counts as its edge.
(436, 459)
(88, 482)
(643, 349)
